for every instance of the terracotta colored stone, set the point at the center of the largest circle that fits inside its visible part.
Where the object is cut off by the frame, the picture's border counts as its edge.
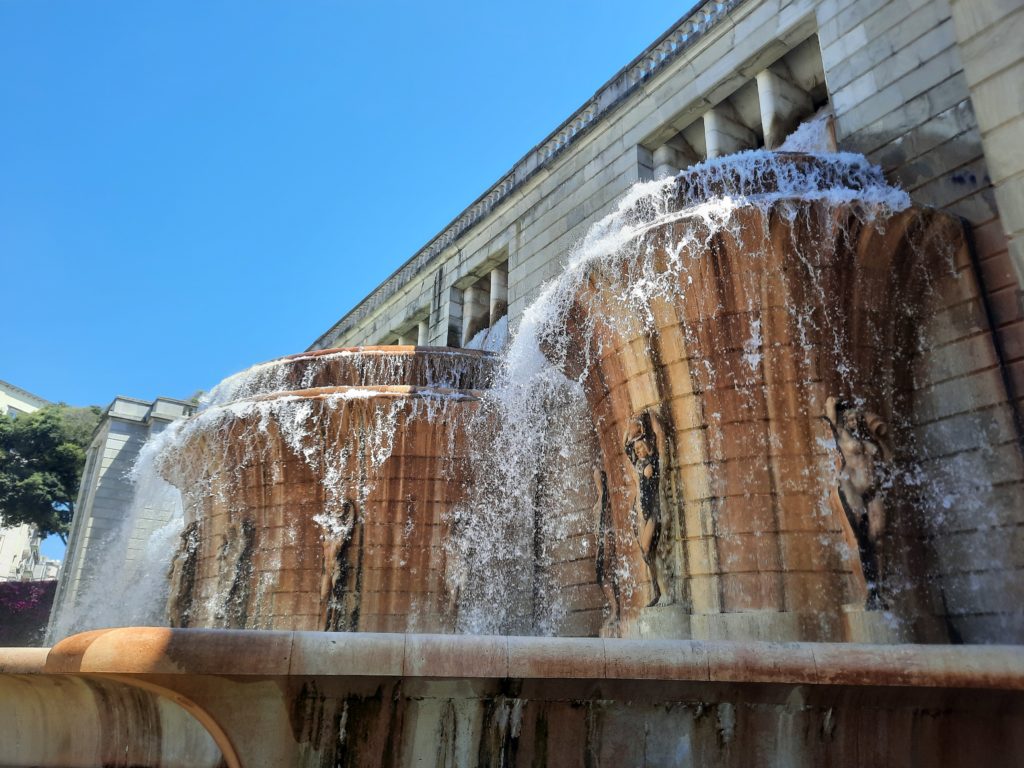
(778, 314)
(326, 508)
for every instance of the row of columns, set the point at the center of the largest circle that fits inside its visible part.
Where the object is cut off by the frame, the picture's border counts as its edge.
(484, 302)
(782, 106)
(421, 337)
(478, 306)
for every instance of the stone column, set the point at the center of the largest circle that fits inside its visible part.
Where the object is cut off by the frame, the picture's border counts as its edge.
(724, 133)
(499, 293)
(665, 162)
(672, 157)
(475, 306)
(783, 105)
(423, 333)
(455, 314)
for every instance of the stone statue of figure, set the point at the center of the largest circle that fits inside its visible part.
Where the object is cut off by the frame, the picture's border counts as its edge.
(644, 443)
(606, 575)
(866, 456)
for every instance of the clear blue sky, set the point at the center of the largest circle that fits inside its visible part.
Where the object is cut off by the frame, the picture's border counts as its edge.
(187, 188)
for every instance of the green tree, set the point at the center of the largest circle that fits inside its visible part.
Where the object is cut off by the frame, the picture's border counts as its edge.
(42, 455)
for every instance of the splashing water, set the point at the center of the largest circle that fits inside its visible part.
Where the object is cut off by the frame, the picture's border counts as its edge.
(532, 507)
(207, 456)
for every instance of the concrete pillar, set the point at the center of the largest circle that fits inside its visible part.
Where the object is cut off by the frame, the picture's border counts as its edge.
(665, 162)
(454, 310)
(499, 293)
(783, 106)
(672, 157)
(406, 339)
(475, 310)
(724, 134)
(644, 164)
(423, 333)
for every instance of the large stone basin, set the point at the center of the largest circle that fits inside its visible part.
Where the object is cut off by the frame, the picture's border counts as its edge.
(375, 366)
(325, 508)
(269, 699)
(722, 368)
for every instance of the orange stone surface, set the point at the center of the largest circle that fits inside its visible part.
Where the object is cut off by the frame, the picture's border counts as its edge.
(762, 322)
(326, 508)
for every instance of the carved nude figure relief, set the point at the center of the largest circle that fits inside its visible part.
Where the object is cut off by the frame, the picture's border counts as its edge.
(865, 456)
(644, 443)
(606, 571)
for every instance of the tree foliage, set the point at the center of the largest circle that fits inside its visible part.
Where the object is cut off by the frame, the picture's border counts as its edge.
(42, 455)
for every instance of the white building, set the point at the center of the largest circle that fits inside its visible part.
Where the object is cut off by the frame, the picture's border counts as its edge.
(927, 89)
(20, 559)
(15, 401)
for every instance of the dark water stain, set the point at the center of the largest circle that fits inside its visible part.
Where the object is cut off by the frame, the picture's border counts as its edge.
(348, 731)
(237, 603)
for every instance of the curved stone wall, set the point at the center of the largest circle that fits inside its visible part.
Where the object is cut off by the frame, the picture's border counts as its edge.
(326, 508)
(760, 417)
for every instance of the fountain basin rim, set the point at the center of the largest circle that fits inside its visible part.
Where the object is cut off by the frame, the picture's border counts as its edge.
(382, 350)
(155, 650)
(367, 392)
(23, 661)
(782, 177)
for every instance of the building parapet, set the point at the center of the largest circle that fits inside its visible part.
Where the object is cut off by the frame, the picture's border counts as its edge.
(144, 411)
(680, 37)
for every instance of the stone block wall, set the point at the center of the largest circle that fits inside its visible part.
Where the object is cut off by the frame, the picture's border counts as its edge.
(106, 494)
(989, 35)
(902, 96)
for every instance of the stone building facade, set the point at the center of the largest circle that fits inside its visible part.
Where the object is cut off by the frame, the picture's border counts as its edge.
(106, 491)
(930, 90)
(925, 88)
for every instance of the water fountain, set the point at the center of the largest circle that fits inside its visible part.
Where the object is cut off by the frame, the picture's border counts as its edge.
(753, 370)
(316, 492)
(707, 458)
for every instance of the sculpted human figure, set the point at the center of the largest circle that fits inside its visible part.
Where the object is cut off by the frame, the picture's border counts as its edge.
(866, 455)
(644, 443)
(606, 575)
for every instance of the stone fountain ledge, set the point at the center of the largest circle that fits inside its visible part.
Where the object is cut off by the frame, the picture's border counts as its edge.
(146, 650)
(195, 697)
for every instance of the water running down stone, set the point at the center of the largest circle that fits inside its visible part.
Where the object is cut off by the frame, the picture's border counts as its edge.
(725, 307)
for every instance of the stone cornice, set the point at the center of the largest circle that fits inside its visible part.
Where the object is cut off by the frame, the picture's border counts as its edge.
(680, 37)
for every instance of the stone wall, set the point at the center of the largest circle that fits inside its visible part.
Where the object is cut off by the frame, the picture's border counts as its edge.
(106, 493)
(895, 81)
(989, 34)
(902, 97)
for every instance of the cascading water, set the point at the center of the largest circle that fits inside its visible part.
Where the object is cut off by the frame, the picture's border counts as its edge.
(718, 421)
(139, 568)
(731, 385)
(277, 474)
